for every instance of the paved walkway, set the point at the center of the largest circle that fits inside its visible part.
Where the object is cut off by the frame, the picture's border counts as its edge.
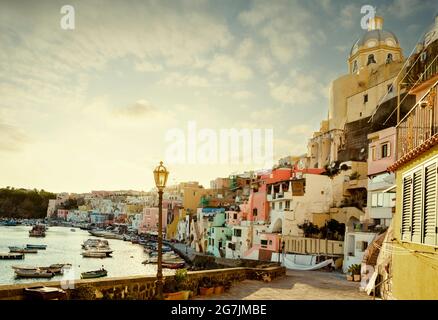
(296, 285)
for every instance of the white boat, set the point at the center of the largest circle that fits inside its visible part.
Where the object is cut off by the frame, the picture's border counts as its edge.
(93, 254)
(24, 273)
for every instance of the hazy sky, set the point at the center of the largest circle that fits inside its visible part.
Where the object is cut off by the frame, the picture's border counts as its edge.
(89, 108)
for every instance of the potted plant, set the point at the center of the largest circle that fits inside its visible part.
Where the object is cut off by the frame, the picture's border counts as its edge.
(178, 287)
(206, 288)
(219, 287)
(350, 273)
(354, 269)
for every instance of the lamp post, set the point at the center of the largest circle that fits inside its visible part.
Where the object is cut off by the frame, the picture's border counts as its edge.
(160, 176)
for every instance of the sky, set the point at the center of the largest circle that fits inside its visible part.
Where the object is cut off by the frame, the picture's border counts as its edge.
(90, 108)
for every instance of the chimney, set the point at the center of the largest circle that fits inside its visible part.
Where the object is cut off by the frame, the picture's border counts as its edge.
(375, 23)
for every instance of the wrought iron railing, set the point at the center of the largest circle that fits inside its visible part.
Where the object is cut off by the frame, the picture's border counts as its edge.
(419, 124)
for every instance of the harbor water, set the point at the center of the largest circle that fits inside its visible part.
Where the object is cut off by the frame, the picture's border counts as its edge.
(64, 246)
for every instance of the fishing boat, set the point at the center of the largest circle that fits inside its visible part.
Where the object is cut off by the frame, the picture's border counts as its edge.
(23, 273)
(94, 274)
(22, 250)
(36, 246)
(38, 231)
(95, 243)
(177, 265)
(93, 254)
(53, 268)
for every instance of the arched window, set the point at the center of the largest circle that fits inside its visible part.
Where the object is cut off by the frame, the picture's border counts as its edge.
(355, 66)
(389, 58)
(371, 59)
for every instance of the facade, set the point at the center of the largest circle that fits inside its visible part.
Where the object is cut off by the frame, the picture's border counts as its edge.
(413, 272)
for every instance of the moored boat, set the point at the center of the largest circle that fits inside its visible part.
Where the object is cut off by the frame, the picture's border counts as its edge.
(94, 274)
(93, 254)
(177, 265)
(36, 246)
(38, 230)
(22, 250)
(23, 273)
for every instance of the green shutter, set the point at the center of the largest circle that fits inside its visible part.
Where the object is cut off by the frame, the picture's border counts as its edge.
(406, 209)
(430, 219)
(417, 205)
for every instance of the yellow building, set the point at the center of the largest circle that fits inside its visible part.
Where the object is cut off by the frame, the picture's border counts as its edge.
(413, 269)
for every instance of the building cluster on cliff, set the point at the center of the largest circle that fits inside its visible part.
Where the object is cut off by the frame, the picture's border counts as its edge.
(365, 192)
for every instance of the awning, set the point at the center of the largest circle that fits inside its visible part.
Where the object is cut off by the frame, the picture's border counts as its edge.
(390, 189)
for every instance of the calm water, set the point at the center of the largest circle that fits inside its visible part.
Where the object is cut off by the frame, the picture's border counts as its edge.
(64, 246)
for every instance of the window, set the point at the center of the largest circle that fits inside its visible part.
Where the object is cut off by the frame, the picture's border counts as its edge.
(254, 212)
(371, 59)
(237, 232)
(287, 204)
(373, 153)
(355, 66)
(264, 242)
(270, 242)
(365, 98)
(389, 58)
(384, 150)
(280, 205)
(235, 216)
(418, 210)
(273, 205)
(389, 87)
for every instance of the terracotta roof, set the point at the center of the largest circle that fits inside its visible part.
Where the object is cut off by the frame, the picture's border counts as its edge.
(414, 153)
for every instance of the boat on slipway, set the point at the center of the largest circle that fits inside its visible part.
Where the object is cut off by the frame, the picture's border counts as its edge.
(24, 273)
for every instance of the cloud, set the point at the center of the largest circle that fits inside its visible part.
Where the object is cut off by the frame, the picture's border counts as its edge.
(145, 66)
(11, 138)
(242, 95)
(299, 89)
(184, 80)
(301, 130)
(138, 109)
(226, 65)
(405, 8)
(349, 15)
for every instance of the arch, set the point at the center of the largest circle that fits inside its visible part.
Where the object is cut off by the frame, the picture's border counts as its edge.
(278, 226)
(352, 221)
(371, 59)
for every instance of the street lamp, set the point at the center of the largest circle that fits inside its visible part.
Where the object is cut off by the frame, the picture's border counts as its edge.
(160, 176)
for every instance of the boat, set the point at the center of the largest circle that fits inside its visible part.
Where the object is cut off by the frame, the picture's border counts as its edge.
(177, 265)
(107, 251)
(45, 293)
(93, 254)
(10, 223)
(11, 256)
(94, 274)
(23, 273)
(73, 230)
(53, 268)
(22, 250)
(36, 246)
(95, 243)
(38, 230)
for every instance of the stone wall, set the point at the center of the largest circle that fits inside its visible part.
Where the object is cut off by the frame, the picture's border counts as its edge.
(139, 288)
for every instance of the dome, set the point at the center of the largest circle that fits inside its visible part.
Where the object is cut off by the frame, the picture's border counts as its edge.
(375, 32)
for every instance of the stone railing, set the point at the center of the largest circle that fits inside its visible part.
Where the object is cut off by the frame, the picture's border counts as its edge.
(136, 287)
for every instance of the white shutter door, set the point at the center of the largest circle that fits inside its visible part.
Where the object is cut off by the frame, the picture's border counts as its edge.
(430, 196)
(417, 205)
(406, 208)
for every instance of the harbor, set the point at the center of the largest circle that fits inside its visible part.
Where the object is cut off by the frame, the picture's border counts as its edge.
(62, 246)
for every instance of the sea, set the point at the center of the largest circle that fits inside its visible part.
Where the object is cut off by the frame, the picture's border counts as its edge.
(64, 246)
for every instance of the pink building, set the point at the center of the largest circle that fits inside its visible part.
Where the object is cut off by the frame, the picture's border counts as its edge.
(381, 152)
(149, 222)
(62, 214)
(270, 241)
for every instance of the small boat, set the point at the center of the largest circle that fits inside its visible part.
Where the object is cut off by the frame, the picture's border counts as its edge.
(22, 250)
(95, 243)
(73, 230)
(178, 265)
(93, 254)
(94, 274)
(24, 273)
(36, 246)
(11, 256)
(53, 268)
(45, 293)
(38, 230)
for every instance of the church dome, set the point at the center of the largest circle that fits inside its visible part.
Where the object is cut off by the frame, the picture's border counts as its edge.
(375, 36)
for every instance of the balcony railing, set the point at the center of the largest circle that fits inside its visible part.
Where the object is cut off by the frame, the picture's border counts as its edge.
(419, 124)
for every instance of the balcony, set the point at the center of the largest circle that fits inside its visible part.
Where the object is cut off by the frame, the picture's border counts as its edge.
(419, 125)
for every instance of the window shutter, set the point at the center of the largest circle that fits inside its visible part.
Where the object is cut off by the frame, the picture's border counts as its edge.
(430, 195)
(417, 205)
(406, 208)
